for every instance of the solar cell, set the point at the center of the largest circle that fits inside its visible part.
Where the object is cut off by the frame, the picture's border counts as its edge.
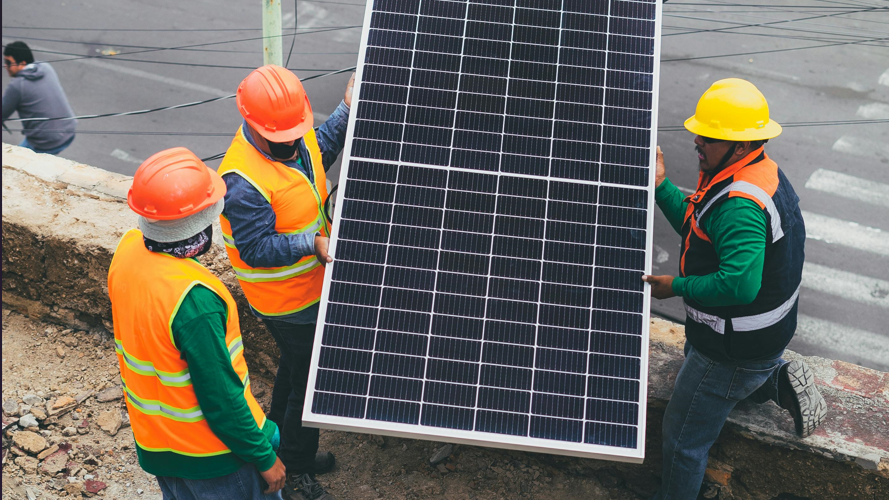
(495, 222)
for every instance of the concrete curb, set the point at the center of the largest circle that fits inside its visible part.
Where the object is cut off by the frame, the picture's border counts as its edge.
(62, 221)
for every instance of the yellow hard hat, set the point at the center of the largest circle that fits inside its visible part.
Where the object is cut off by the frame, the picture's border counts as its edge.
(733, 109)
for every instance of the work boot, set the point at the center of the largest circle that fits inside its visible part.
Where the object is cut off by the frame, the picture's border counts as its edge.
(305, 487)
(324, 462)
(798, 395)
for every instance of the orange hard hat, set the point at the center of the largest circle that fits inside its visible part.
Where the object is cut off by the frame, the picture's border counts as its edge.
(274, 103)
(174, 184)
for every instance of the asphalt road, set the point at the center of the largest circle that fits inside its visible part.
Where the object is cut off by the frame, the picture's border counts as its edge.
(839, 171)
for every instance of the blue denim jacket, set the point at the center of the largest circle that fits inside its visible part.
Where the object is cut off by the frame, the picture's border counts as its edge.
(253, 219)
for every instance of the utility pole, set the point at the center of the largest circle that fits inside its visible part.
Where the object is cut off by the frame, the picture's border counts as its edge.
(272, 52)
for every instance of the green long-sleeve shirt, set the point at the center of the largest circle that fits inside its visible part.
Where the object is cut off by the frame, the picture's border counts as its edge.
(737, 228)
(199, 333)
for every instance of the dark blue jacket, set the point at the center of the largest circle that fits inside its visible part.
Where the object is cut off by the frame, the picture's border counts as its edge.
(253, 219)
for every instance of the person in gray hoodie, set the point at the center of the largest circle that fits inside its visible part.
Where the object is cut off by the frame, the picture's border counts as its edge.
(35, 92)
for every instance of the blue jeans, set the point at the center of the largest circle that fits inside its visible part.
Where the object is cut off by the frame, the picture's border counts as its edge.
(299, 444)
(54, 151)
(704, 395)
(243, 484)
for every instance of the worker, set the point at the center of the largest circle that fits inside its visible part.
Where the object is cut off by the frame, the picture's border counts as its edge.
(739, 274)
(196, 423)
(35, 92)
(276, 233)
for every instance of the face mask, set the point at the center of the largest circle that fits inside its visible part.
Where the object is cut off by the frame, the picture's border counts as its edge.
(283, 151)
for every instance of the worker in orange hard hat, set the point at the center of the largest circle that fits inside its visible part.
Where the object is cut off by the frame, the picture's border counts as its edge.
(740, 270)
(276, 233)
(196, 423)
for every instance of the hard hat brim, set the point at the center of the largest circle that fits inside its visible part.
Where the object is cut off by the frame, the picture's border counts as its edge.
(770, 130)
(290, 134)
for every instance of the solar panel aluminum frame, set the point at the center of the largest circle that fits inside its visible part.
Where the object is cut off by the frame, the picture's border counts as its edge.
(477, 438)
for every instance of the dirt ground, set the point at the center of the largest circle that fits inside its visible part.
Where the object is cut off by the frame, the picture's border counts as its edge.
(51, 363)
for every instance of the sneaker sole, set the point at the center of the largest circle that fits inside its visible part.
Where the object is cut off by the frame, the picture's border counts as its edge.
(812, 407)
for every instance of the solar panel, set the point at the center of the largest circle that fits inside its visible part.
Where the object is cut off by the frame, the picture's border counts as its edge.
(494, 222)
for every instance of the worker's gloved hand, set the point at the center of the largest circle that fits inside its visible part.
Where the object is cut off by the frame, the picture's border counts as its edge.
(321, 245)
(275, 477)
(348, 97)
(661, 286)
(661, 172)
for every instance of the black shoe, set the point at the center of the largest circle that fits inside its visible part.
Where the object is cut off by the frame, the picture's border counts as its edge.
(798, 395)
(305, 487)
(324, 462)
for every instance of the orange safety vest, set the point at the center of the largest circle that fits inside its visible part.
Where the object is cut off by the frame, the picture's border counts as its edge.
(146, 290)
(298, 205)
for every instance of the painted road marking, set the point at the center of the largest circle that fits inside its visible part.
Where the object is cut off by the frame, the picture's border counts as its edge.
(661, 255)
(851, 234)
(864, 345)
(861, 147)
(847, 186)
(884, 78)
(863, 289)
(123, 155)
(874, 111)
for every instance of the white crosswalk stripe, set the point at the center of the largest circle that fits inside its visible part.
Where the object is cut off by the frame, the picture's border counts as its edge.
(862, 147)
(847, 186)
(851, 286)
(866, 346)
(874, 111)
(851, 234)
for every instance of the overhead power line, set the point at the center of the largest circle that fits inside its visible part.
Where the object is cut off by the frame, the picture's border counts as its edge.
(164, 108)
(770, 23)
(160, 49)
(757, 52)
(679, 128)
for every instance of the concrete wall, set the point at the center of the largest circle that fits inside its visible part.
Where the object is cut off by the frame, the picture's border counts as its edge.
(62, 221)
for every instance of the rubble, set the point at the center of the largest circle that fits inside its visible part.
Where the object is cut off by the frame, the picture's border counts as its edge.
(61, 406)
(33, 400)
(28, 464)
(30, 442)
(47, 452)
(110, 394)
(10, 407)
(110, 421)
(28, 421)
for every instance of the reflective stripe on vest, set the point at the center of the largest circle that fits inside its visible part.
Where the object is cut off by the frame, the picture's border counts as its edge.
(178, 379)
(758, 193)
(151, 407)
(744, 323)
(298, 206)
(146, 291)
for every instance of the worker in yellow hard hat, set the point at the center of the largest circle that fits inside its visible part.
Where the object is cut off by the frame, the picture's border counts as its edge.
(740, 269)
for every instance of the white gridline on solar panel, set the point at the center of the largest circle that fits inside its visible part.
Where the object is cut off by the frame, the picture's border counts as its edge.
(481, 408)
(547, 178)
(497, 134)
(466, 19)
(536, 323)
(512, 42)
(525, 7)
(498, 114)
(590, 287)
(585, 376)
(504, 96)
(588, 350)
(494, 172)
(486, 297)
(497, 195)
(543, 261)
(555, 101)
(544, 239)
